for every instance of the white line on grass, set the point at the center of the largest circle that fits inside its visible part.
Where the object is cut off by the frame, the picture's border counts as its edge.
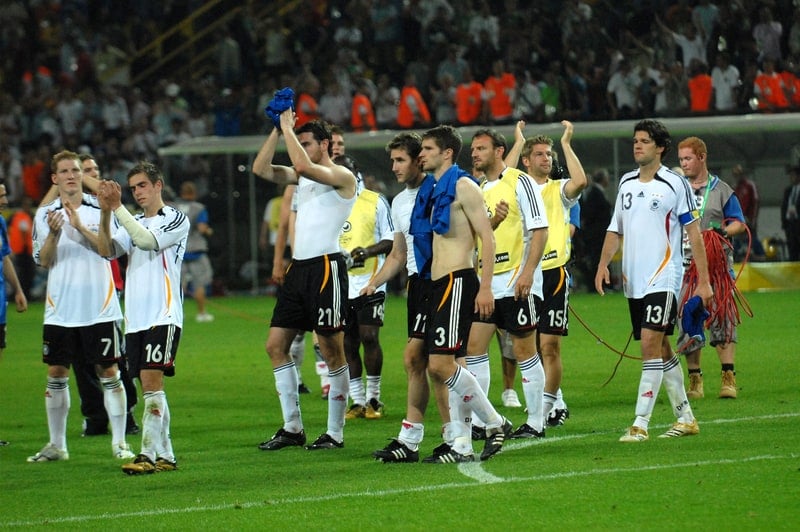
(475, 471)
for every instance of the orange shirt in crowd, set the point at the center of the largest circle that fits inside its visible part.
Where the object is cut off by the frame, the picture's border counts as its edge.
(362, 114)
(770, 87)
(700, 91)
(469, 102)
(498, 94)
(412, 108)
(306, 109)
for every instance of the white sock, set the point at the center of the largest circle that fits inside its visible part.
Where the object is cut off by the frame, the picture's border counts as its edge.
(357, 391)
(549, 400)
(116, 404)
(286, 385)
(337, 401)
(467, 390)
(532, 373)
(166, 451)
(298, 353)
(478, 365)
(673, 382)
(57, 402)
(373, 387)
(560, 403)
(152, 423)
(650, 382)
(411, 434)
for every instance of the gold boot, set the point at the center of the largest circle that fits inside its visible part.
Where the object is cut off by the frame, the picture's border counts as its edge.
(695, 390)
(728, 388)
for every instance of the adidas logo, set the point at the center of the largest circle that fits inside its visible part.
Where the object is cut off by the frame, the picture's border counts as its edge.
(648, 394)
(641, 195)
(467, 398)
(339, 397)
(407, 425)
(525, 380)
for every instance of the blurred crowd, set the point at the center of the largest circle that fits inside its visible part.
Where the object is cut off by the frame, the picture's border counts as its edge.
(66, 77)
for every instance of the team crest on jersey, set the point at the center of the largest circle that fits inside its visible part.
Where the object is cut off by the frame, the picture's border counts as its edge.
(346, 228)
(655, 203)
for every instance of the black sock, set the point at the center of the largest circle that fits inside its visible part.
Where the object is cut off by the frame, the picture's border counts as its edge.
(698, 371)
(728, 367)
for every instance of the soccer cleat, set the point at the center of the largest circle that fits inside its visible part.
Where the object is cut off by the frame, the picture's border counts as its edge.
(557, 416)
(283, 438)
(495, 439)
(122, 451)
(478, 433)
(634, 435)
(728, 389)
(374, 409)
(355, 411)
(526, 431)
(3, 443)
(695, 390)
(204, 317)
(302, 388)
(141, 465)
(325, 442)
(444, 454)
(680, 429)
(163, 465)
(510, 399)
(396, 452)
(49, 453)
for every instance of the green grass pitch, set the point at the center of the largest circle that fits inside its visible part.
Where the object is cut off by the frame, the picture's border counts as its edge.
(741, 472)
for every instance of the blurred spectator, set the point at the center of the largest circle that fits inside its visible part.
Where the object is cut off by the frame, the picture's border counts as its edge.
(20, 239)
(11, 174)
(725, 81)
(334, 104)
(769, 88)
(700, 88)
(622, 91)
(362, 115)
(34, 173)
(482, 20)
(790, 213)
(689, 41)
(444, 101)
(468, 100)
(452, 64)
(412, 110)
(596, 212)
(747, 193)
(528, 105)
(306, 106)
(386, 103)
(500, 93)
(768, 33)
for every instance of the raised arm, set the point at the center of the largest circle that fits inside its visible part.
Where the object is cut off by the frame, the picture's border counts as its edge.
(334, 175)
(577, 176)
(512, 157)
(263, 167)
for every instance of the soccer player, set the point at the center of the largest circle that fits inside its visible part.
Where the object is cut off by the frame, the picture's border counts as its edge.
(155, 241)
(8, 276)
(651, 206)
(81, 308)
(456, 214)
(560, 196)
(404, 151)
(367, 235)
(314, 291)
(517, 280)
(719, 208)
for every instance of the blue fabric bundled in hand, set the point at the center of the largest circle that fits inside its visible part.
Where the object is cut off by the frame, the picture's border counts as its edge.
(281, 101)
(693, 320)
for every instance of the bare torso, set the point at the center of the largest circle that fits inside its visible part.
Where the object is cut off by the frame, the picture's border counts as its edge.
(455, 250)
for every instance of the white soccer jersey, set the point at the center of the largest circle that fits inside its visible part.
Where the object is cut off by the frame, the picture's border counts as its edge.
(531, 207)
(321, 213)
(153, 280)
(384, 230)
(80, 286)
(402, 205)
(649, 218)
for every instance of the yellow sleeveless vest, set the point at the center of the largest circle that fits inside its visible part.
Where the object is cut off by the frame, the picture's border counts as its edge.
(359, 229)
(557, 248)
(508, 235)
